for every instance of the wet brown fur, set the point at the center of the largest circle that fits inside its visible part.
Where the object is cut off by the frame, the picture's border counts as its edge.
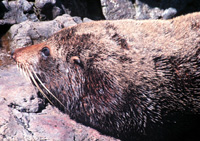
(134, 80)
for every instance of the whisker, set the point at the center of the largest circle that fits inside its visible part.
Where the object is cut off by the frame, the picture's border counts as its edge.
(47, 89)
(20, 70)
(33, 79)
(26, 73)
(23, 70)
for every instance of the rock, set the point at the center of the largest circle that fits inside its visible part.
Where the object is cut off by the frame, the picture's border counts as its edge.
(144, 9)
(10, 127)
(16, 93)
(34, 32)
(44, 3)
(169, 13)
(23, 118)
(19, 11)
(3, 8)
(48, 9)
(126, 9)
(7, 22)
(86, 20)
(22, 10)
(76, 7)
(13, 12)
(118, 9)
(77, 20)
(94, 9)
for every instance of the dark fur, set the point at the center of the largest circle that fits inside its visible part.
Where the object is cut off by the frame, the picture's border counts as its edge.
(123, 87)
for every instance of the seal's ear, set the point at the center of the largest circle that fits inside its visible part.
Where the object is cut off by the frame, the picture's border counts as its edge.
(76, 60)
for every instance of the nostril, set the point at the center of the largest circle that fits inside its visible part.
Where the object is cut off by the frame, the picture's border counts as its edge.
(12, 54)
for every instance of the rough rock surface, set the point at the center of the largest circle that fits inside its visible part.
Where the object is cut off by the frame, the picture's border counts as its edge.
(25, 116)
(146, 9)
(118, 9)
(17, 11)
(28, 32)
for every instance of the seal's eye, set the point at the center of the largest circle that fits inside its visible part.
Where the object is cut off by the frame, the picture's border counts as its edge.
(45, 51)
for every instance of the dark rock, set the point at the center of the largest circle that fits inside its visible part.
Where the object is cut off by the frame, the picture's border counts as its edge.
(48, 9)
(94, 10)
(3, 8)
(75, 7)
(181, 6)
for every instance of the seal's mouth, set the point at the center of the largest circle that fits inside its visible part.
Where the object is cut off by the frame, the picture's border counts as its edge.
(31, 75)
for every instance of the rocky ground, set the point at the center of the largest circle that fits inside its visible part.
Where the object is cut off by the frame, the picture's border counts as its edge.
(24, 114)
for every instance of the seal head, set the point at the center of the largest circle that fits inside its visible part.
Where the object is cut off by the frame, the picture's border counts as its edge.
(128, 79)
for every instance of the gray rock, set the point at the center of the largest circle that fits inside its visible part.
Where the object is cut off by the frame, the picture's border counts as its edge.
(126, 9)
(86, 20)
(28, 32)
(77, 20)
(42, 3)
(19, 11)
(118, 9)
(27, 6)
(7, 22)
(20, 87)
(10, 127)
(145, 9)
(169, 13)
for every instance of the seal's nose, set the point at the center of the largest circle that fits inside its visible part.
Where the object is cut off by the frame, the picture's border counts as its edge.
(13, 54)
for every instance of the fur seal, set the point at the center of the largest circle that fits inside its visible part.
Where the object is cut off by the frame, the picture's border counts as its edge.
(133, 80)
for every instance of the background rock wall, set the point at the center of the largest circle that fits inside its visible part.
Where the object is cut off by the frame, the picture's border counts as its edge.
(24, 14)
(25, 115)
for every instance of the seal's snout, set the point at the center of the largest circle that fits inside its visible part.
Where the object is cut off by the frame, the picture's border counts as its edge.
(30, 54)
(16, 54)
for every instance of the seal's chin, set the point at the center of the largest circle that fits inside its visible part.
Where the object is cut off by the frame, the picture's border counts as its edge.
(31, 75)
